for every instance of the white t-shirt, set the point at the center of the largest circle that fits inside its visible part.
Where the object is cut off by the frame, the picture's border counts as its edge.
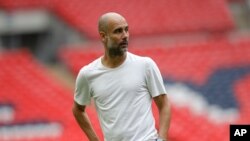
(122, 96)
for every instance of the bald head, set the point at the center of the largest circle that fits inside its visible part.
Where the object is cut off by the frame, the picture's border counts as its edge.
(106, 18)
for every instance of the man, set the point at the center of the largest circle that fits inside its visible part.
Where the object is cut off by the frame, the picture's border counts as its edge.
(122, 85)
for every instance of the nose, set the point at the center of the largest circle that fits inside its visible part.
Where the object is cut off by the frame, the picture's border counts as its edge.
(125, 34)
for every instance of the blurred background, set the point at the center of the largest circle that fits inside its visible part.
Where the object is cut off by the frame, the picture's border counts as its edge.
(202, 48)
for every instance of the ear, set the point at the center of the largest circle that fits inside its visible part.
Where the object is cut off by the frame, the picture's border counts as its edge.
(103, 36)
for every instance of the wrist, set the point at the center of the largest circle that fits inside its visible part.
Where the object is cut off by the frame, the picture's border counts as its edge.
(162, 136)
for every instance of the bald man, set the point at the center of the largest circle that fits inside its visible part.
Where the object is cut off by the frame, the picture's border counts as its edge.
(123, 86)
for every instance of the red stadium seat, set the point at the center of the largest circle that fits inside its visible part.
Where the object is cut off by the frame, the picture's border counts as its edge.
(156, 17)
(144, 17)
(38, 101)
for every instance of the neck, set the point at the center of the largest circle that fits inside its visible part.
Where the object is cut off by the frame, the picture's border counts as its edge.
(113, 61)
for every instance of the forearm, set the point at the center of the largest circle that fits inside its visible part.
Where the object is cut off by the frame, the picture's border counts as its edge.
(85, 124)
(164, 121)
(163, 106)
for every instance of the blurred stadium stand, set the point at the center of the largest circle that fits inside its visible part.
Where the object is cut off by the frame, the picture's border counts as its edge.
(201, 47)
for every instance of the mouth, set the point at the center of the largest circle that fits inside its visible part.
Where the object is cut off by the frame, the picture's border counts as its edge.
(124, 44)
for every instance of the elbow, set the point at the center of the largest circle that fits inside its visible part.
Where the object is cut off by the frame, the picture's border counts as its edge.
(168, 105)
(77, 109)
(165, 106)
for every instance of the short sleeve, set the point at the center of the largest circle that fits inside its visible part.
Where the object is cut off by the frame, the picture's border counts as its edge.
(82, 94)
(154, 79)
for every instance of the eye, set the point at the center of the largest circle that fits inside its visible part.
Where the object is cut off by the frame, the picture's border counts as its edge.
(126, 29)
(119, 30)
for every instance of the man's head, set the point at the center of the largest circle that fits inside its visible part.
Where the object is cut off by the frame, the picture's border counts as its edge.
(113, 30)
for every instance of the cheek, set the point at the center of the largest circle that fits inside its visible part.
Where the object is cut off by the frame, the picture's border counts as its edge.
(114, 38)
(113, 41)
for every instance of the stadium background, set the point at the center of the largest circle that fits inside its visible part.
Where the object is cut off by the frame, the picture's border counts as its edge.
(202, 48)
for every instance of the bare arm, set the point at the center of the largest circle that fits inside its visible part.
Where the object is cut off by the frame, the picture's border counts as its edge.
(163, 106)
(84, 122)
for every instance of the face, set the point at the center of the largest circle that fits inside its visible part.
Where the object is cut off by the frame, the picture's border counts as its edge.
(116, 37)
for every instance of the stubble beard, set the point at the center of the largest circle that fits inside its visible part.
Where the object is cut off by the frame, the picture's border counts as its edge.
(117, 51)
